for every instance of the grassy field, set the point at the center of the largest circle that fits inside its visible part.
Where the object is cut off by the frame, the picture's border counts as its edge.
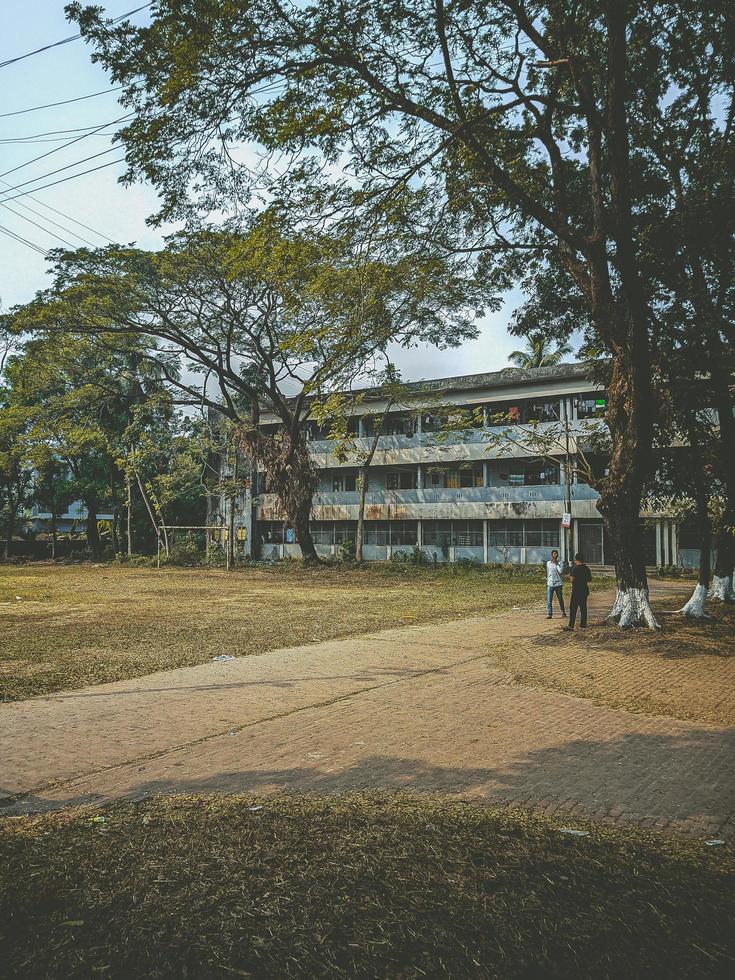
(65, 626)
(361, 886)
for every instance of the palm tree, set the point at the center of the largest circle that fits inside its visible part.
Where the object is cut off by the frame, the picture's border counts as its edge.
(538, 353)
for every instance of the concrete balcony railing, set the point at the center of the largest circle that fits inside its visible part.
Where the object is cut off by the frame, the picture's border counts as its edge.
(489, 495)
(425, 447)
(469, 503)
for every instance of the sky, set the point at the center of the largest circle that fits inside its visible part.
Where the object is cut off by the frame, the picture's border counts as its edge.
(97, 200)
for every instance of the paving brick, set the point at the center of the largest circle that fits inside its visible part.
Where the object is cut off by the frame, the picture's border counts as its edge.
(404, 708)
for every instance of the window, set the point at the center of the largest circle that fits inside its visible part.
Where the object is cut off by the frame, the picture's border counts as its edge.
(467, 534)
(539, 411)
(505, 534)
(400, 425)
(271, 532)
(403, 533)
(470, 476)
(433, 423)
(344, 531)
(376, 533)
(524, 411)
(401, 480)
(530, 473)
(541, 474)
(591, 406)
(541, 534)
(344, 482)
(322, 532)
(437, 533)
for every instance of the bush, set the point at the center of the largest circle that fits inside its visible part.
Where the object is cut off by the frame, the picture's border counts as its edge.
(414, 557)
(346, 551)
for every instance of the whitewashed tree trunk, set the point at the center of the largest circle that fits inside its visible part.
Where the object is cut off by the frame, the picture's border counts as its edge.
(616, 609)
(722, 588)
(694, 607)
(632, 608)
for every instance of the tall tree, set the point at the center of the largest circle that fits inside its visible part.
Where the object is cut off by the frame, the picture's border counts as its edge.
(539, 352)
(515, 118)
(263, 317)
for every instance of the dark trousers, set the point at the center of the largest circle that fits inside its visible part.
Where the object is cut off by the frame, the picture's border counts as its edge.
(578, 602)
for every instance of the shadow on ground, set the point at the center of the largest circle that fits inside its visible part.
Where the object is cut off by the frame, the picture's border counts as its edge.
(681, 783)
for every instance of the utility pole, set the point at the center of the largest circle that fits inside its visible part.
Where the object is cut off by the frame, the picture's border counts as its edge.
(567, 488)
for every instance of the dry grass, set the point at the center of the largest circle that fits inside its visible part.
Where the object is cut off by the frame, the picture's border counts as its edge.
(357, 886)
(686, 670)
(86, 624)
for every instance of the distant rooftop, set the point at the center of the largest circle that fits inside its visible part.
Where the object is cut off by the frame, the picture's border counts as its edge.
(496, 379)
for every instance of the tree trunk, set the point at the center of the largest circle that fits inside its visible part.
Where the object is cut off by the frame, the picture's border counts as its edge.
(147, 503)
(621, 318)
(115, 536)
(629, 420)
(722, 579)
(9, 528)
(231, 536)
(129, 515)
(694, 608)
(364, 470)
(360, 534)
(93, 536)
(299, 517)
(292, 477)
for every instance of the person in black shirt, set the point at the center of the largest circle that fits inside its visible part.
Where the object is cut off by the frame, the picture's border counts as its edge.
(580, 576)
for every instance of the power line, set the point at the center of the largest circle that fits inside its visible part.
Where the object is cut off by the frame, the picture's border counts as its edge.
(29, 141)
(51, 105)
(65, 40)
(59, 170)
(69, 231)
(56, 149)
(53, 132)
(61, 214)
(31, 221)
(19, 238)
(64, 179)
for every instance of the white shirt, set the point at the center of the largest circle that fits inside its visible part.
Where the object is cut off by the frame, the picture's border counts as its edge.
(553, 574)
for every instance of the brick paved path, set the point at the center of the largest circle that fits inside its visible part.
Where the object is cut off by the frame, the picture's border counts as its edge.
(418, 707)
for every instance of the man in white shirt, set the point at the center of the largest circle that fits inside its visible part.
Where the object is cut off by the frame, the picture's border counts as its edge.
(554, 583)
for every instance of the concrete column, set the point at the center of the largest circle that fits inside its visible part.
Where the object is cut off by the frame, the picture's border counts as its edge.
(484, 542)
(419, 477)
(563, 410)
(659, 556)
(571, 410)
(674, 543)
(360, 427)
(420, 533)
(667, 550)
(419, 424)
(486, 416)
(486, 474)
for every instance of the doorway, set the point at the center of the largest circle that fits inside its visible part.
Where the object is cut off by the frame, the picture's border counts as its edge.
(590, 543)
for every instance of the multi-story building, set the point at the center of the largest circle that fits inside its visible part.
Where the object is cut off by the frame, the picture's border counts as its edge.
(462, 496)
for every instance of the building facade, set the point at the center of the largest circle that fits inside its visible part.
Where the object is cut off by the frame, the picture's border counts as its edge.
(464, 495)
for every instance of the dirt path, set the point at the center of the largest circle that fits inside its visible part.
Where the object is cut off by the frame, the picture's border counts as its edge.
(421, 707)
